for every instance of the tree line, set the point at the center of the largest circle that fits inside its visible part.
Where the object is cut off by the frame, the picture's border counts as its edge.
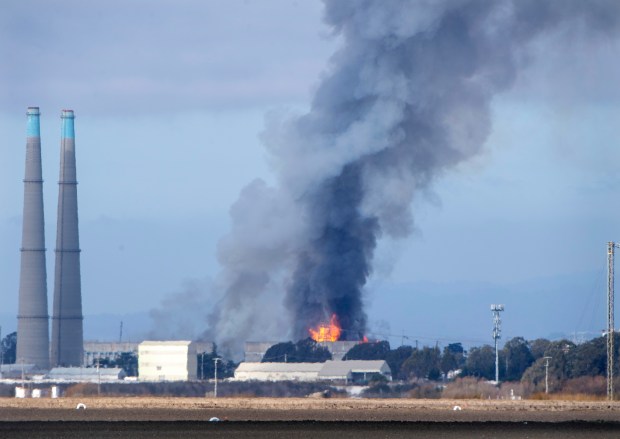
(519, 359)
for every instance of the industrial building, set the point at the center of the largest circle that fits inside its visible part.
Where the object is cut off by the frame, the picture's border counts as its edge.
(254, 351)
(18, 370)
(104, 350)
(110, 350)
(339, 349)
(278, 371)
(167, 361)
(86, 374)
(352, 371)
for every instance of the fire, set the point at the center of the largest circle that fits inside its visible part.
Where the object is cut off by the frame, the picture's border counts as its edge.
(325, 332)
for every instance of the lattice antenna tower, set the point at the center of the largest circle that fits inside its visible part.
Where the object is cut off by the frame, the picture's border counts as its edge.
(497, 334)
(611, 246)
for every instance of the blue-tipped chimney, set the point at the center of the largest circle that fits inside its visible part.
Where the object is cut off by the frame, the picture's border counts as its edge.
(67, 331)
(32, 317)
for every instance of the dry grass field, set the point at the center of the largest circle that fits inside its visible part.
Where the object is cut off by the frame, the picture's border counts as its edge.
(301, 418)
(306, 409)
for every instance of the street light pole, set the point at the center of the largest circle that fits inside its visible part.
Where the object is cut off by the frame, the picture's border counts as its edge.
(98, 377)
(215, 388)
(202, 366)
(547, 374)
(1, 352)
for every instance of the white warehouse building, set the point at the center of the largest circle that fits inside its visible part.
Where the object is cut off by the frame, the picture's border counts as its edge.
(351, 371)
(167, 361)
(278, 371)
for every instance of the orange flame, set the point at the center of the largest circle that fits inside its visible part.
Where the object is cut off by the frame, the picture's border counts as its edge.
(325, 332)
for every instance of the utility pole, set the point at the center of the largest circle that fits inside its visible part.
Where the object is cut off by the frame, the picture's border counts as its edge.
(202, 366)
(98, 377)
(611, 246)
(21, 360)
(215, 388)
(547, 374)
(120, 335)
(497, 334)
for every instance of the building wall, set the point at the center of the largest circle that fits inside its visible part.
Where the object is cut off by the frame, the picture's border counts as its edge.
(94, 350)
(345, 371)
(204, 347)
(278, 371)
(338, 349)
(167, 361)
(276, 376)
(255, 350)
(109, 350)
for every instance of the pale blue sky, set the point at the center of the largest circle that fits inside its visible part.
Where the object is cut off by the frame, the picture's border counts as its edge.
(170, 100)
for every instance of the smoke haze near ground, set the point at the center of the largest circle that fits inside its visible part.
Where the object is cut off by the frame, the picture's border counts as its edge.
(406, 98)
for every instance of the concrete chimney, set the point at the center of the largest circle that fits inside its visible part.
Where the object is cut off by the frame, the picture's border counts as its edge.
(67, 331)
(32, 317)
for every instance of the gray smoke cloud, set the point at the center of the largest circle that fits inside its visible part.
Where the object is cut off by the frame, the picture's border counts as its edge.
(406, 98)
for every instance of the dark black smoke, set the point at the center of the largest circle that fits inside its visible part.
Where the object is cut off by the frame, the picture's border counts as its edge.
(406, 98)
(333, 268)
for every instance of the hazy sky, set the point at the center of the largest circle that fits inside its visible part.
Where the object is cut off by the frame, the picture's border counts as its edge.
(171, 98)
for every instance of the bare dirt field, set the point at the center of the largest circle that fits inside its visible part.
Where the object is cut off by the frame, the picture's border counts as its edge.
(305, 417)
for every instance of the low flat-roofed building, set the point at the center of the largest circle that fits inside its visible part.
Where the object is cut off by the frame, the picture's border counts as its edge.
(347, 371)
(90, 374)
(354, 370)
(278, 371)
(167, 361)
(13, 371)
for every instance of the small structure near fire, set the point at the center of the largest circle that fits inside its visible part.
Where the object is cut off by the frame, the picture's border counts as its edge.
(354, 371)
(255, 350)
(325, 334)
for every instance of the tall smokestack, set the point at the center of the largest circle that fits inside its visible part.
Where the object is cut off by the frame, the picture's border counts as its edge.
(33, 320)
(67, 332)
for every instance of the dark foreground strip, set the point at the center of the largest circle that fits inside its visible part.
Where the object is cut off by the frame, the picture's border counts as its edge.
(306, 429)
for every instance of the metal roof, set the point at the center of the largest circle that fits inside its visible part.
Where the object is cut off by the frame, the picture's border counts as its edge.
(331, 369)
(166, 343)
(85, 372)
(344, 368)
(279, 367)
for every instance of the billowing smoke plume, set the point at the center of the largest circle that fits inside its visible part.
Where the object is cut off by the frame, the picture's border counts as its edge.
(406, 98)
